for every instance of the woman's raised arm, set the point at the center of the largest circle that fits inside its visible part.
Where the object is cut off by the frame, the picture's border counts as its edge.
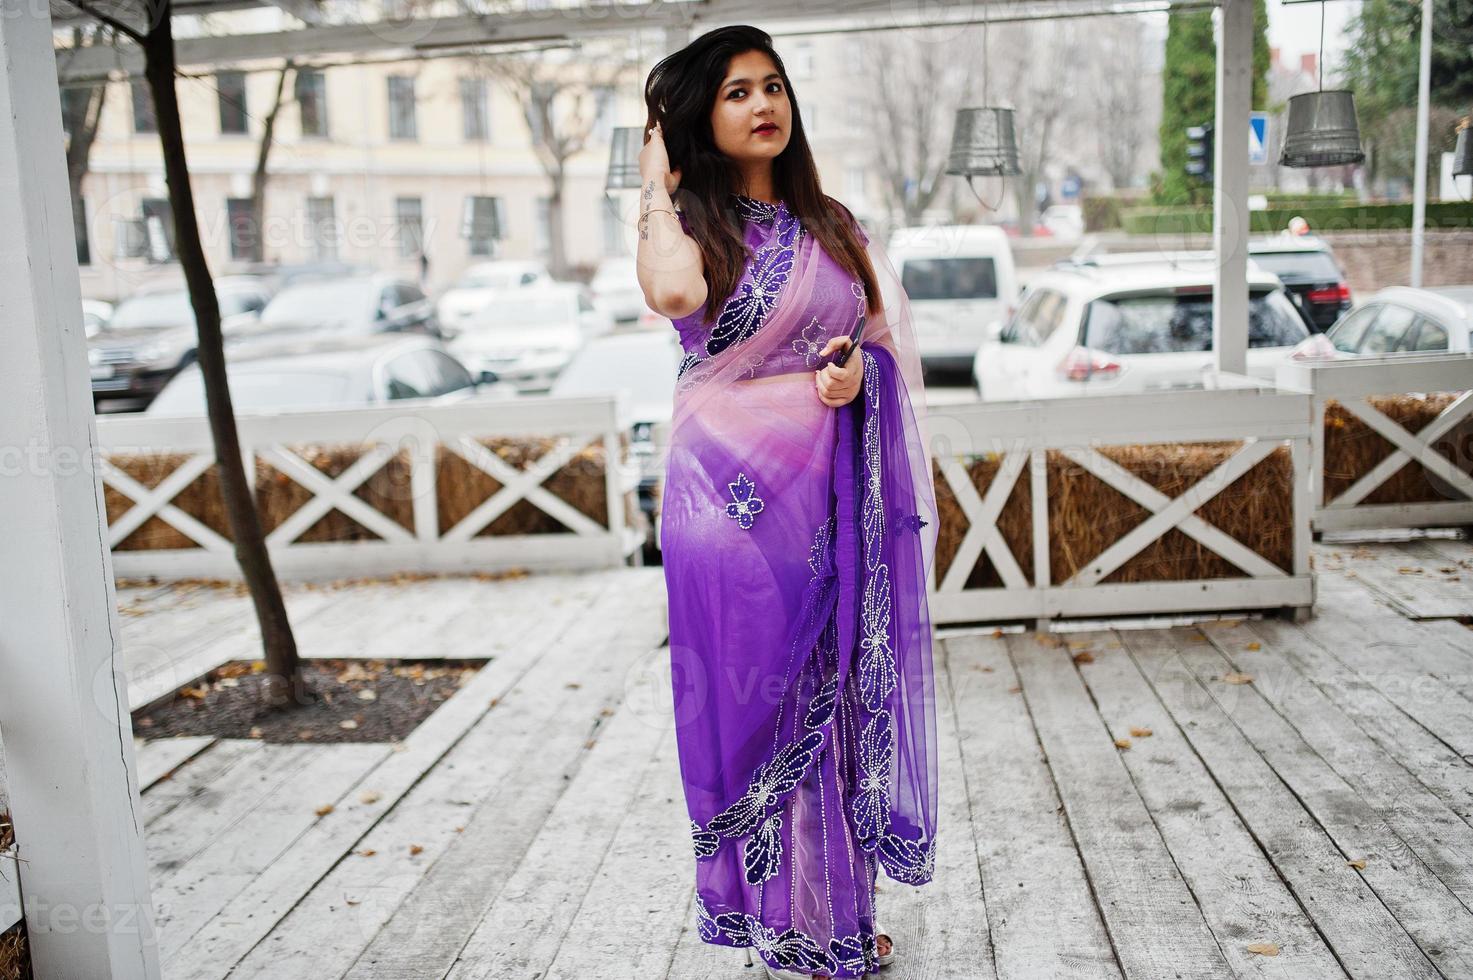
(668, 260)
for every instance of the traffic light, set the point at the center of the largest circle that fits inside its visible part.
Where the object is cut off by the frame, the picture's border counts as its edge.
(1199, 152)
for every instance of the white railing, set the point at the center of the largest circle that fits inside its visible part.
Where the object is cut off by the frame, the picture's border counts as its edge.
(1352, 383)
(1022, 433)
(574, 423)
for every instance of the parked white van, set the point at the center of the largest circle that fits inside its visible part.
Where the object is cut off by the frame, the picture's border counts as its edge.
(959, 279)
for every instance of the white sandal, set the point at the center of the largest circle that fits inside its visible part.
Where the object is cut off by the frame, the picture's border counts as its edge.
(887, 958)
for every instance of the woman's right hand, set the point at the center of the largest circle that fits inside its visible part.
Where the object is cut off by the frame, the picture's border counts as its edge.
(654, 160)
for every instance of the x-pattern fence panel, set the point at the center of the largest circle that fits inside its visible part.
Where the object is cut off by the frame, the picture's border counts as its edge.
(1022, 434)
(573, 425)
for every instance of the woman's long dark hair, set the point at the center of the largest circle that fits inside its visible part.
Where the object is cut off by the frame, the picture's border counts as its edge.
(679, 94)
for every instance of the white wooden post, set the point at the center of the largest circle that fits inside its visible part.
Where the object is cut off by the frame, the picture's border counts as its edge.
(1419, 182)
(1230, 185)
(63, 702)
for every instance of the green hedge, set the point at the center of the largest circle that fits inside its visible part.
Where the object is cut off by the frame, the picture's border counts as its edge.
(1321, 218)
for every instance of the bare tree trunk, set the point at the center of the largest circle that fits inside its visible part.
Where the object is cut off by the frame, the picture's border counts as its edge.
(81, 125)
(258, 179)
(284, 683)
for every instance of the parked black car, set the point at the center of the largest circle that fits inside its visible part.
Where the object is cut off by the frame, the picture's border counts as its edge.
(1311, 274)
(152, 336)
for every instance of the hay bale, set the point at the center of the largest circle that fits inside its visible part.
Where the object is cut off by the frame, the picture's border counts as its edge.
(1352, 449)
(460, 488)
(1086, 516)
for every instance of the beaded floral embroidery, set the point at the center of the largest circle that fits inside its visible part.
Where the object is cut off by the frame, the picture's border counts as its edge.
(745, 505)
(757, 294)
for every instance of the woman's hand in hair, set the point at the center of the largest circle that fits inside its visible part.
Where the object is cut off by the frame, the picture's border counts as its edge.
(654, 160)
(839, 385)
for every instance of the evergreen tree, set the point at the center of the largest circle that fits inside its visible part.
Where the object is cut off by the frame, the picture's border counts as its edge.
(1189, 93)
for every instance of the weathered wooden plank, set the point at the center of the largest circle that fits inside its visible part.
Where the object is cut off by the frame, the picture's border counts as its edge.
(189, 896)
(1040, 912)
(159, 757)
(1381, 651)
(177, 836)
(1155, 924)
(455, 839)
(1408, 575)
(253, 914)
(1423, 754)
(1241, 895)
(1368, 938)
(193, 780)
(525, 925)
(1433, 831)
(630, 918)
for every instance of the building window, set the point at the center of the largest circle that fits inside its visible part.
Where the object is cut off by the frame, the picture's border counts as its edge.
(474, 111)
(230, 87)
(144, 120)
(402, 124)
(603, 119)
(311, 89)
(613, 227)
(158, 229)
(409, 222)
(542, 97)
(800, 62)
(322, 228)
(543, 224)
(481, 224)
(240, 213)
(82, 232)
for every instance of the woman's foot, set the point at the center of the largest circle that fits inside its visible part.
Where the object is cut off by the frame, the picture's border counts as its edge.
(884, 948)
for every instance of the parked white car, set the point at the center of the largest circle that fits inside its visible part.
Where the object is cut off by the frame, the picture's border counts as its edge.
(482, 283)
(528, 336)
(958, 278)
(1401, 320)
(1119, 327)
(317, 372)
(616, 290)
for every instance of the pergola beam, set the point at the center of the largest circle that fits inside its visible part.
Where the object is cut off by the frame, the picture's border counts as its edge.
(558, 24)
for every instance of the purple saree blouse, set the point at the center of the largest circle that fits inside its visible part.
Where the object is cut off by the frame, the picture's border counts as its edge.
(798, 541)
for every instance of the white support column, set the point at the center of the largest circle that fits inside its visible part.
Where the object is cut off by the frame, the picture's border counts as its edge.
(63, 701)
(1419, 183)
(1230, 185)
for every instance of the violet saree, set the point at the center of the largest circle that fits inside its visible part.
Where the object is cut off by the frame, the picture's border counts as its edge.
(798, 540)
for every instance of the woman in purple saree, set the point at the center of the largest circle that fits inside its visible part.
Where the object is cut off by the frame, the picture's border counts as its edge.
(798, 524)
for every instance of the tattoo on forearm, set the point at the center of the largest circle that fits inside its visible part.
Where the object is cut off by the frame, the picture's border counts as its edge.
(649, 192)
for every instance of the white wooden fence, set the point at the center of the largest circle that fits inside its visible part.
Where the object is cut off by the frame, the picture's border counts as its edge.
(1352, 383)
(575, 423)
(1023, 432)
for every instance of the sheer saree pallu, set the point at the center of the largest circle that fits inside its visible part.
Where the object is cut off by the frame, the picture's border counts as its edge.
(798, 539)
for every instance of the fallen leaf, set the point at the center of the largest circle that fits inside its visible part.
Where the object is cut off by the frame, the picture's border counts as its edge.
(1122, 743)
(367, 852)
(1233, 677)
(1358, 864)
(1141, 732)
(1264, 949)
(369, 796)
(348, 723)
(1253, 646)
(415, 849)
(1084, 657)
(324, 810)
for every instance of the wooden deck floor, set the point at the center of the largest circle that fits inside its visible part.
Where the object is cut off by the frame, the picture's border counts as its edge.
(1117, 803)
